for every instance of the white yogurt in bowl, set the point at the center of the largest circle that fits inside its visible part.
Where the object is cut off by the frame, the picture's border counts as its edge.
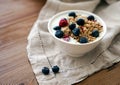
(75, 47)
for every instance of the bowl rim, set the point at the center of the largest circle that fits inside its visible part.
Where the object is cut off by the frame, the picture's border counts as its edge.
(83, 11)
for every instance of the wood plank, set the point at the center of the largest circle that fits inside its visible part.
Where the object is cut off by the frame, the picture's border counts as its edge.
(104, 77)
(16, 20)
(14, 10)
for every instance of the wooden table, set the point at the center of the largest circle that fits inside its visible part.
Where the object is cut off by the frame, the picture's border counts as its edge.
(16, 20)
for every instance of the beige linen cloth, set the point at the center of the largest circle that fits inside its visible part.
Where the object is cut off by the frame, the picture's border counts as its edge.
(42, 51)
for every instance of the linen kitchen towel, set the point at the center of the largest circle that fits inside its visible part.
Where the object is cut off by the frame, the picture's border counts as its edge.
(43, 52)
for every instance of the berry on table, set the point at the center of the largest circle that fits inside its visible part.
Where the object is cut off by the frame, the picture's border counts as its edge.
(80, 22)
(63, 22)
(91, 17)
(45, 70)
(83, 40)
(55, 69)
(59, 34)
(95, 33)
(76, 31)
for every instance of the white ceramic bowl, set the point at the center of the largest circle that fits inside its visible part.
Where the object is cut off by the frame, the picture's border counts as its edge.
(74, 49)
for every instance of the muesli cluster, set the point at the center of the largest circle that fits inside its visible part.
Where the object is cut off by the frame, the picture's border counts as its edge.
(83, 29)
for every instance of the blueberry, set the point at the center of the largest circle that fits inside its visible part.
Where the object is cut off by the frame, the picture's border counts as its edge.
(76, 31)
(59, 33)
(83, 40)
(57, 28)
(95, 33)
(73, 14)
(45, 70)
(55, 69)
(91, 17)
(80, 22)
(72, 26)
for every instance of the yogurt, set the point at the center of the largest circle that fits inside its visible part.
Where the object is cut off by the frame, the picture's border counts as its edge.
(87, 28)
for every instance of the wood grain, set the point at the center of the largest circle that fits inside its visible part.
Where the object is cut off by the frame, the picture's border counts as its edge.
(16, 20)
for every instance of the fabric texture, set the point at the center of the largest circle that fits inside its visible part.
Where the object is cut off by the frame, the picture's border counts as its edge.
(43, 52)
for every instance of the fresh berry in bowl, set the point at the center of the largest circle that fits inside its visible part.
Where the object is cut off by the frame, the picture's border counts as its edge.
(76, 32)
